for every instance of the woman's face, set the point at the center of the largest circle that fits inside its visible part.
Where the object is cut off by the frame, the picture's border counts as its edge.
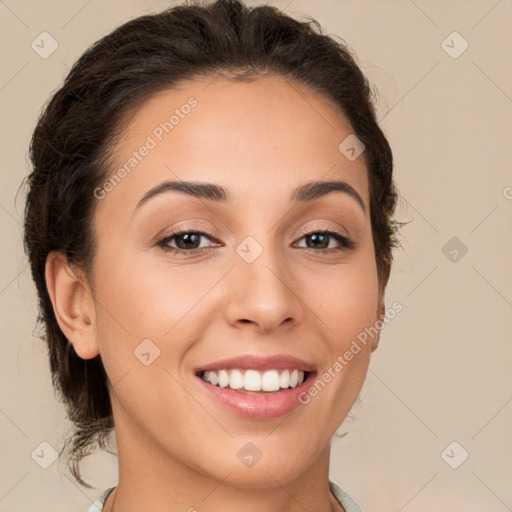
(265, 281)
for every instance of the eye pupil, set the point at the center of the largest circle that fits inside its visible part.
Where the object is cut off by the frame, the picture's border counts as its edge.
(319, 237)
(188, 238)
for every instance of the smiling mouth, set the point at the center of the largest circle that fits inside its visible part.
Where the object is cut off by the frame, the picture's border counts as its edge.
(251, 381)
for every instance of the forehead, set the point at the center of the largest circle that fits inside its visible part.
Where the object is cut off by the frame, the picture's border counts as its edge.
(261, 137)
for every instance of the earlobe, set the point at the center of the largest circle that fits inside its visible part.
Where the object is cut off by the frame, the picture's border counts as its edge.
(73, 304)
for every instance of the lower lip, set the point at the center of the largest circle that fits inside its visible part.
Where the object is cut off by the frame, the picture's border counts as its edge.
(263, 406)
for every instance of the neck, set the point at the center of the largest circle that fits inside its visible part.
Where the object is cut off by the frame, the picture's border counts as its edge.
(149, 480)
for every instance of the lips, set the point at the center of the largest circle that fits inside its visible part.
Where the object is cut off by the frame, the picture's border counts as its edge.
(255, 362)
(262, 406)
(257, 405)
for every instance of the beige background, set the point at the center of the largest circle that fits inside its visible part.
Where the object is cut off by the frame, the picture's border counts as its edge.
(442, 371)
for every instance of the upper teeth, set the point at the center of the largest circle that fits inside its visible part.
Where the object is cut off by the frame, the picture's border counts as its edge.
(253, 380)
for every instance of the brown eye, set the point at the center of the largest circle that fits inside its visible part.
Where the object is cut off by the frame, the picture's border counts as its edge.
(188, 240)
(320, 240)
(185, 241)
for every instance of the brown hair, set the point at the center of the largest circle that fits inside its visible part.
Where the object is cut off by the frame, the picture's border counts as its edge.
(73, 140)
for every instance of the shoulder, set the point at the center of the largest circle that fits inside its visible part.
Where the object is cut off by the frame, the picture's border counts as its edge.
(345, 500)
(97, 506)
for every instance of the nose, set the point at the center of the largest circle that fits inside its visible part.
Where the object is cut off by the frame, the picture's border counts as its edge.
(264, 293)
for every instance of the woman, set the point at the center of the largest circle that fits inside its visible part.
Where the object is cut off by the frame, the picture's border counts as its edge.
(209, 227)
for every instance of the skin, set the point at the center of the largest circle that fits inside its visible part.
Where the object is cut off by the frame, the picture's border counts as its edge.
(177, 449)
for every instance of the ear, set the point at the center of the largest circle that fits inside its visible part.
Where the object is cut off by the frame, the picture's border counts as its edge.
(73, 304)
(381, 312)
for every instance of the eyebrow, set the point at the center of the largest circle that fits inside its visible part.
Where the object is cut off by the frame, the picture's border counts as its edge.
(303, 193)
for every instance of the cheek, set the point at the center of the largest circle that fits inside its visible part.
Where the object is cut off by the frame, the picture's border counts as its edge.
(140, 297)
(345, 300)
(148, 298)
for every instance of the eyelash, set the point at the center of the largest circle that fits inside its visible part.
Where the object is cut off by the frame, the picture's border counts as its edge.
(346, 243)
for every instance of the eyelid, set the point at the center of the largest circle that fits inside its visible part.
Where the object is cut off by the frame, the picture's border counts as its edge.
(317, 228)
(206, 231)
(345, 241)
(186, 228)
